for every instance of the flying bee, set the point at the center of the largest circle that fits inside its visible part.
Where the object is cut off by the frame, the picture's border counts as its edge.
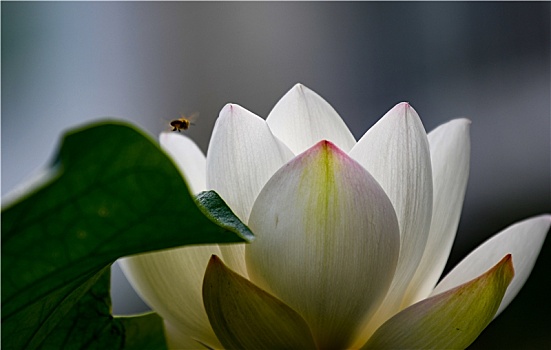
(183, 122)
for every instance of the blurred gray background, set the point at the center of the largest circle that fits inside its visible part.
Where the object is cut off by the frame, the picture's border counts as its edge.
(65, 64)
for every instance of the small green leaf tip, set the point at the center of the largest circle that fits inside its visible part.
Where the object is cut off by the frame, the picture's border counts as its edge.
(214, 207)
(244, 316)
(450, 320)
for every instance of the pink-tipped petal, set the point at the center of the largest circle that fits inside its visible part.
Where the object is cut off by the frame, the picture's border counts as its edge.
(396, 152)
(326, 242)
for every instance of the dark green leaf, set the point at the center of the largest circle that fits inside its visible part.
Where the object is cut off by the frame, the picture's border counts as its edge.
(89, 325)
(114, 193)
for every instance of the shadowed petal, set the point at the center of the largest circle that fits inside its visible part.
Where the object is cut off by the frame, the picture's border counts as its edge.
(451, 320)
(302, 118)
(175, 339)
(170, 283)
(522, 240)
(244, 316)
(326, 242)
(450, 154)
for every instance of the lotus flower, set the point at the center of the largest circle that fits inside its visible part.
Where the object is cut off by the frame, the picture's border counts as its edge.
(351, 237)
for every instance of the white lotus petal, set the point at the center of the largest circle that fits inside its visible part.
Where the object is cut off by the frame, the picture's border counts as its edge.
(522, 240)
(327, 242)
(189, 159)
(170, 282)
(396, 152)
(450, 155)
(242, 155)
(301, 118)
(175, 339)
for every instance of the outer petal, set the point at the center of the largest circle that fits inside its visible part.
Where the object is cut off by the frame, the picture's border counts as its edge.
(246, 317)
(170, 283)
(243, 154)
(450, 154)
(396, 152)
(522, 240)
(451, 320)
(189, 159)
(301, 118)
(326, 243)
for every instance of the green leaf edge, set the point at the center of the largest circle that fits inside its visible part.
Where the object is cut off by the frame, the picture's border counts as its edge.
(209, 203)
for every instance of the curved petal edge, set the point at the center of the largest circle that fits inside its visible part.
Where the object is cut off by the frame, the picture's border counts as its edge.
(450, 320)
(396, 152)
(450, 158)
(302, 118)
(327, 242)
(170, 282)
(189, 159)
(522, 240)
(243, 154)
(244, 316)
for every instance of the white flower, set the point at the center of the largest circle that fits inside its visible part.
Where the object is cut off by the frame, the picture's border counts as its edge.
(349, 234)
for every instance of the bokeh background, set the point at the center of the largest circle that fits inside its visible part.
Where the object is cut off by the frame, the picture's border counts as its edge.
(66, 64)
